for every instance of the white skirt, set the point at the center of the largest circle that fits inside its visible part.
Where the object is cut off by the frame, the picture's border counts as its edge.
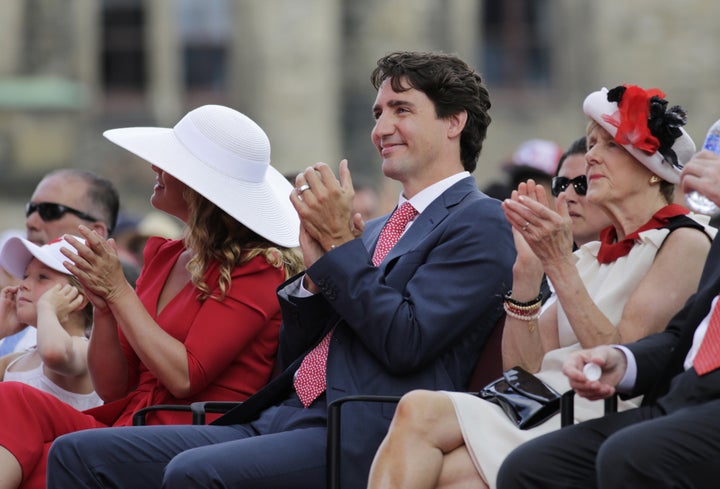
(489, 434)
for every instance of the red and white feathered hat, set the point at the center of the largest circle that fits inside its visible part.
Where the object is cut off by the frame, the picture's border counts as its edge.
(640, 120)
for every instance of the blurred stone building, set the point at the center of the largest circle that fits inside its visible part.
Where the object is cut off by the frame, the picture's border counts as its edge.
(73, 68)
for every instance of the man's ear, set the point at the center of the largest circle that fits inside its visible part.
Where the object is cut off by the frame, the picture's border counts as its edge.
(457, 124)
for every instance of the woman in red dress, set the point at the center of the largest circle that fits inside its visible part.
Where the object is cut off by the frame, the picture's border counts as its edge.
(203, 322)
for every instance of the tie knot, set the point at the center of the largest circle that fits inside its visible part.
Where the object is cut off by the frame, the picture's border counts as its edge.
(400, 219)
(394, 227)
(404, 214)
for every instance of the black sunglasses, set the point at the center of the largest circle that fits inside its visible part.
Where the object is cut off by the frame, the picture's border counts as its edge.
(559, 184)
(50, 211)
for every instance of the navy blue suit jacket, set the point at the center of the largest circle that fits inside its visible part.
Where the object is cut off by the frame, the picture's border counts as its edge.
(660, 357)
(416, 321)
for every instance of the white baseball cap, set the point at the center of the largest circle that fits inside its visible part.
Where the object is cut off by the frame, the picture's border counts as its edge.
(18, 252)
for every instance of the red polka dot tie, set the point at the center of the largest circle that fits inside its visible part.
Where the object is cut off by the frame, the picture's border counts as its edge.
(708, 356)
(392, 231)
(310, 377)
(310, 380)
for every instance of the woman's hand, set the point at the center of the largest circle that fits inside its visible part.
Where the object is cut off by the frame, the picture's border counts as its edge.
(548, 233)
(527, 267)
(97, 267)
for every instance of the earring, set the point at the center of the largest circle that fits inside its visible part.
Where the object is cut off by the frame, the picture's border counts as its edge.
(654, 179)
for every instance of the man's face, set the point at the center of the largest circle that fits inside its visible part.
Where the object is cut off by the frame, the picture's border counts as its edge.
(409, 136)
(58, 189)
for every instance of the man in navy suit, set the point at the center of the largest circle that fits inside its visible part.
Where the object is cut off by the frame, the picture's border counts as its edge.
(414, 318)
(673, 439)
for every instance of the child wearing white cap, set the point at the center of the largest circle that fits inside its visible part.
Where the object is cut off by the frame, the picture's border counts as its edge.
(50, 298)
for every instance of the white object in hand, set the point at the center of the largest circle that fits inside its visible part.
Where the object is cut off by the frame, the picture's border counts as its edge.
(695, 200)
(592, 371)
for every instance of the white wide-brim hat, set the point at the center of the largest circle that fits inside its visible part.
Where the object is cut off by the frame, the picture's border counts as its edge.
(225, 157)
(598, 108)
(18, 252)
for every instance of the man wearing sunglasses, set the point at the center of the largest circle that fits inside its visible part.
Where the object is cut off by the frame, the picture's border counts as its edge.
(67, 198)
(63, 200)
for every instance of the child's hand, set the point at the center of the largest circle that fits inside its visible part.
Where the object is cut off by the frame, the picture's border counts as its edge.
(9, 323)
(61, 299)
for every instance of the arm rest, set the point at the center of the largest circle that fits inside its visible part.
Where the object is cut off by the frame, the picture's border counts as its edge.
(139, 417)
(333, 443)
(198, 410)
(567, 407)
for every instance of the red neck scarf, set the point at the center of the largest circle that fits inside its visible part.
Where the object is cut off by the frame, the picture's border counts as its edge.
(610, 250)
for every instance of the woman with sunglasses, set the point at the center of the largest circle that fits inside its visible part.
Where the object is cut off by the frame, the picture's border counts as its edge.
(587, 218)
(621, 288)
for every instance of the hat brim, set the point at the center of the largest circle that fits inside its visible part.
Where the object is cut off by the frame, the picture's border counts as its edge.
(264, 207)
(596, 105)
(18, 252)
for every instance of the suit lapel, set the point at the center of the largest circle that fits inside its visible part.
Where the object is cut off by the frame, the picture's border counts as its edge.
(372, 232)
(421, 226)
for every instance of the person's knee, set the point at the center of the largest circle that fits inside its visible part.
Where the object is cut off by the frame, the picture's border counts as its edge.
(64, 461)
(421, 409)
(63, 450)
(620, 455)
(184, 471)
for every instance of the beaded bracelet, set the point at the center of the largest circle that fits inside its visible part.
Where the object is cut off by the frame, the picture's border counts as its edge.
(527, 313)
(531, 303)
(532, 307)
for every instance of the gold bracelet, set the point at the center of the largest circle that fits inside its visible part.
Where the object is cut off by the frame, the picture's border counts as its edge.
(520, 309)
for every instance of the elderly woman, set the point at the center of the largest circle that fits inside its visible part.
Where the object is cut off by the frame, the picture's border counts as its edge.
(618, 289)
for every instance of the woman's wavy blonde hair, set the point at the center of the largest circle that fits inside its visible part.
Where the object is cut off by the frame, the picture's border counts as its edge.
(215, 236)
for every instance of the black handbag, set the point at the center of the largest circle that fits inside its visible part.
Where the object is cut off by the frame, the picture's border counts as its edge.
(526, 400)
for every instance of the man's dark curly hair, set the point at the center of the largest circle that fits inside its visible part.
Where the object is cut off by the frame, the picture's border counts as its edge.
(450, 84)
